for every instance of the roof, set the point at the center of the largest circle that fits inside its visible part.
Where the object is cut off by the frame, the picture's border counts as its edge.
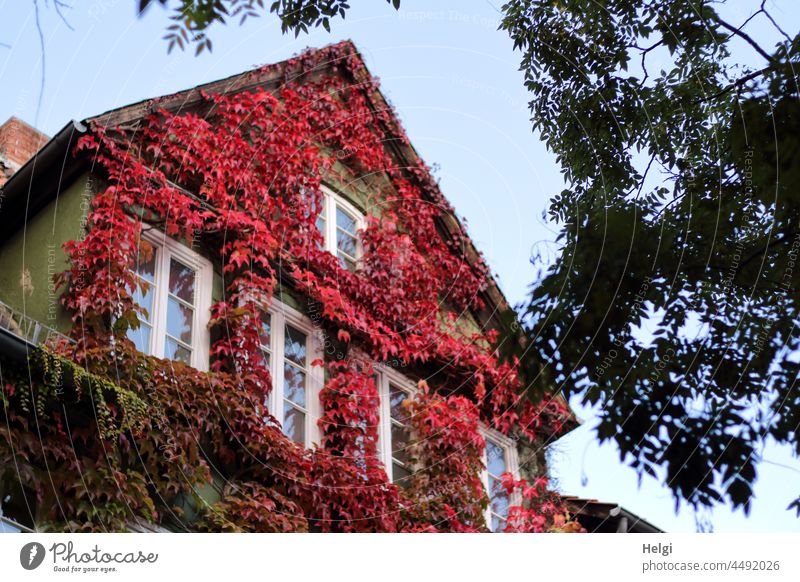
(600, 516)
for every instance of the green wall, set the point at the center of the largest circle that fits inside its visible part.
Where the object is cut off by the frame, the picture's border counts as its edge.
(34, 254)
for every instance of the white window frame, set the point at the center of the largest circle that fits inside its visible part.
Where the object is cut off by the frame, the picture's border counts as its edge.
(388, 377)
(281, 315)
(166, 248)
(512, 466)
(330, 201)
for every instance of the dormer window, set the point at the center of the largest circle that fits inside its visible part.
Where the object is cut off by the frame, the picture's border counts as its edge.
(339, 222)
(174, 288)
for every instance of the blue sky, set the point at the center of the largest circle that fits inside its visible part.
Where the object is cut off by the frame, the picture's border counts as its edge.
(454, 80)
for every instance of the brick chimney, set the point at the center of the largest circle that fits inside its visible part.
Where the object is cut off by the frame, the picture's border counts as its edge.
(18, 143)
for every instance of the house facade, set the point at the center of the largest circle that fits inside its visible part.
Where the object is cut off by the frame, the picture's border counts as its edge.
(248, 307)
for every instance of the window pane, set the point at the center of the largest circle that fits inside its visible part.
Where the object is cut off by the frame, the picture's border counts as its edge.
(266, 330)
(294, 384)
(347, 262)
(145, 267)
(179, 320)
(498, 524)
(322, 221)
(498, 497)
(396, 397)
(295, 346)
(181, 281)
(495, 459)
(400, 439)
(312, 207)
(146, 261)
(345, 221)
(141, 337)
(361, 443)
(174, 351)
(294, 423)
(346, 243)
(401, 475)
(143, 297)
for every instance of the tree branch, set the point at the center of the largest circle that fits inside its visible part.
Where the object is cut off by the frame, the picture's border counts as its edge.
(772, 20)
(644, 176)
(643, 53)
(744, 36)
(737, 83)
(788, 237)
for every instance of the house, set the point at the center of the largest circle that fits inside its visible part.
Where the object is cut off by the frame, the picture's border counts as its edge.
(248, 307)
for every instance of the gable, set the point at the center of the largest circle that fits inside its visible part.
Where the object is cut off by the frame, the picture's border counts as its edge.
(340, 60)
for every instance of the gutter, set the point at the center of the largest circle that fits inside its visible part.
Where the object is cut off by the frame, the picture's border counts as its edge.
(628, 521)
(13, 346)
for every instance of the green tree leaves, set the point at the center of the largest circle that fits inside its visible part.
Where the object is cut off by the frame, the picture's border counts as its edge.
(192, 18)
(674, 302)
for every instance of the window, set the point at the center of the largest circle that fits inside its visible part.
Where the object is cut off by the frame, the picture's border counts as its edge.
(339, 221)
(395, 431)
(8, 526)
(359, 361)
(175, 290)
(289, 346)
(500, 458)
(400, 435)
(395, 438)
(17, 505)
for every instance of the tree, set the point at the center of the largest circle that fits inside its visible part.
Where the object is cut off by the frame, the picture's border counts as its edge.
(674, 301)
(192, 18)
(681, 216)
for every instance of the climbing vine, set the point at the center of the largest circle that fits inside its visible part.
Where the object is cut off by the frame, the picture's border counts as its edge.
(240, 176)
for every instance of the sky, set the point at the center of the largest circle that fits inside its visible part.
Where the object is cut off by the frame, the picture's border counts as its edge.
(454, 80)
